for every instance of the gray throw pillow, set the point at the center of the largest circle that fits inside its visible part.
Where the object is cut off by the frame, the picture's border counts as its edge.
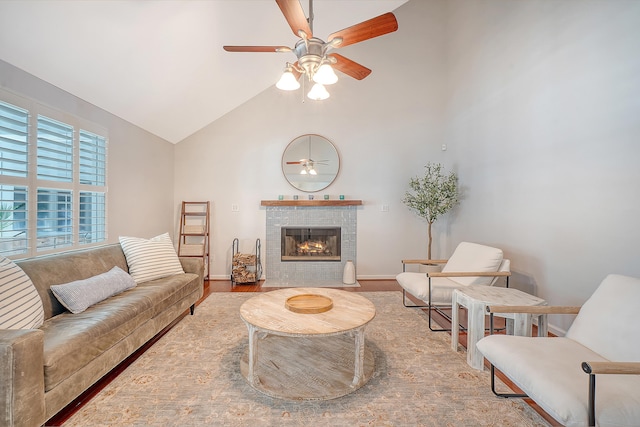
(79, 295)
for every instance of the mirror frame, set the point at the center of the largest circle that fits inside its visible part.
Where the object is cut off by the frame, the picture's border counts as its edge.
(326, 172)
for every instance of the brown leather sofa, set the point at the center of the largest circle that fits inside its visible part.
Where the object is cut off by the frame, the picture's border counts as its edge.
(43, 370)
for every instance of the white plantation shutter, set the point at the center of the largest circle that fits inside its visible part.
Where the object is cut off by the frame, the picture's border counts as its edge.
(14, 130)
(93, 220)
(93, 158)
(13, 220)
(14, 166)
(92, 204)
(54, 229)
(55, 150)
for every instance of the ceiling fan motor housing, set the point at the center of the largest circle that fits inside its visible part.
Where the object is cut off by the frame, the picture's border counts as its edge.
(310, 53)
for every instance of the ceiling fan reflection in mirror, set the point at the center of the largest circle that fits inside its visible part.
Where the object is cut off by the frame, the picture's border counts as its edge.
(314, 60)
(308, 165)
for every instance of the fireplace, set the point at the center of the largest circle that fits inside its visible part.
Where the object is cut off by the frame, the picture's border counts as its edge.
(310, 244)
(307, 214)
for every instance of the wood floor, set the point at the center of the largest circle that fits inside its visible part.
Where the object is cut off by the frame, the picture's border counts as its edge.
(214, 286)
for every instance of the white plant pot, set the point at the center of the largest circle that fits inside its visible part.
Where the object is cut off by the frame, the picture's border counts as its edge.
(349, 275)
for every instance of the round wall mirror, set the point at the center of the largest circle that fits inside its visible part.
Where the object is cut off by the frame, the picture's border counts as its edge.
(310, 163)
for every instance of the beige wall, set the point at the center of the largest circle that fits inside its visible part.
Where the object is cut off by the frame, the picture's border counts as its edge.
(140, 168)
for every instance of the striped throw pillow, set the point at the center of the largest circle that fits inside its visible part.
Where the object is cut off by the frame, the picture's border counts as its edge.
(20, 304)
(150, 259)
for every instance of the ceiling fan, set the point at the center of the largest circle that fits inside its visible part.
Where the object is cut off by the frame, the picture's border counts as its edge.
(308, 165)
(314, 59)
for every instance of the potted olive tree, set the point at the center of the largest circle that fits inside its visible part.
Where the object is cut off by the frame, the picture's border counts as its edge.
(432, 195)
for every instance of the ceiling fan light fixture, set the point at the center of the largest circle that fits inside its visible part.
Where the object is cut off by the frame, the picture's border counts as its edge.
(288, 81)
(318, 92)
(312, 171)
(325, 75)
(303, 171)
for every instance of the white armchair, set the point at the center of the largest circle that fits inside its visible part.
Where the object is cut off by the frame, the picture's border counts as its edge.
(470, 264)
(603, 341)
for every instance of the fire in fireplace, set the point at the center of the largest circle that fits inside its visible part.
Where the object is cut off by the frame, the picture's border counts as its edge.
(310, 244)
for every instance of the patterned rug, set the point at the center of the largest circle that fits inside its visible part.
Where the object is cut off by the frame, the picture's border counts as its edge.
(191, 377)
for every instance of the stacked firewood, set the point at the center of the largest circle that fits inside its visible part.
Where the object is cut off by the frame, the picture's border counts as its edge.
(243, 268)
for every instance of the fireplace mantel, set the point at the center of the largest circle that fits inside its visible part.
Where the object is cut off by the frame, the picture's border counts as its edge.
(311, 203)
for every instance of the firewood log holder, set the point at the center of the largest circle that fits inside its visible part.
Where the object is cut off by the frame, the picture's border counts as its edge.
(245, 268)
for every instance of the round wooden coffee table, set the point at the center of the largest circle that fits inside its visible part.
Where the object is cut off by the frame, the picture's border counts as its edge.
(307, 356)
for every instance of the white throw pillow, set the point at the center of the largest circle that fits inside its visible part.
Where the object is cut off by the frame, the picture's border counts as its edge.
(150, 259)
(79, 295)
(20, 303)
(472, 257)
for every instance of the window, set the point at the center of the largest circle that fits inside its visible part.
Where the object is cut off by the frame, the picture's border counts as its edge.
(52, 180)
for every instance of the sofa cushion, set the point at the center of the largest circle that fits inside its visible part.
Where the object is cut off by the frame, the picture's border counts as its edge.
(417, 284)
(150, 259)
(71, 341)
(549, 371)
(163, 293)
(77, 296)
(608, 334)
(473, 257)
(20, 304)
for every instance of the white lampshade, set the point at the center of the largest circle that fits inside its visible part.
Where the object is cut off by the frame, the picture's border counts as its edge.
(288, 81)
(303, 171)
(312, 171)
(325, 75)
(318, 92)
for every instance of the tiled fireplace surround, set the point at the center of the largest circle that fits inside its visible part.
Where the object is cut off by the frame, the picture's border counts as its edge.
(308, 216)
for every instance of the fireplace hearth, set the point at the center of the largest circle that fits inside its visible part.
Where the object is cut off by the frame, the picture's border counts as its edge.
(310, 244)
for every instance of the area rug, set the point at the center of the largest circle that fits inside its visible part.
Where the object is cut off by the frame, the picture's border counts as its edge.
(274, 283)
(191, 377)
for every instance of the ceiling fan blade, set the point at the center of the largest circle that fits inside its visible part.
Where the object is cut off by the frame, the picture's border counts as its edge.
(378, 26)
(294, 14)
(256, 48)
(349, 67)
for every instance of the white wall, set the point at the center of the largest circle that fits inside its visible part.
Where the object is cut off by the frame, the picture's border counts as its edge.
(537, 102)
(140, 168)
(543, 124)
(385, 127)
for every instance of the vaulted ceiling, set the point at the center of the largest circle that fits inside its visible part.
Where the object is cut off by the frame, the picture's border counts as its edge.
(159, 63)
